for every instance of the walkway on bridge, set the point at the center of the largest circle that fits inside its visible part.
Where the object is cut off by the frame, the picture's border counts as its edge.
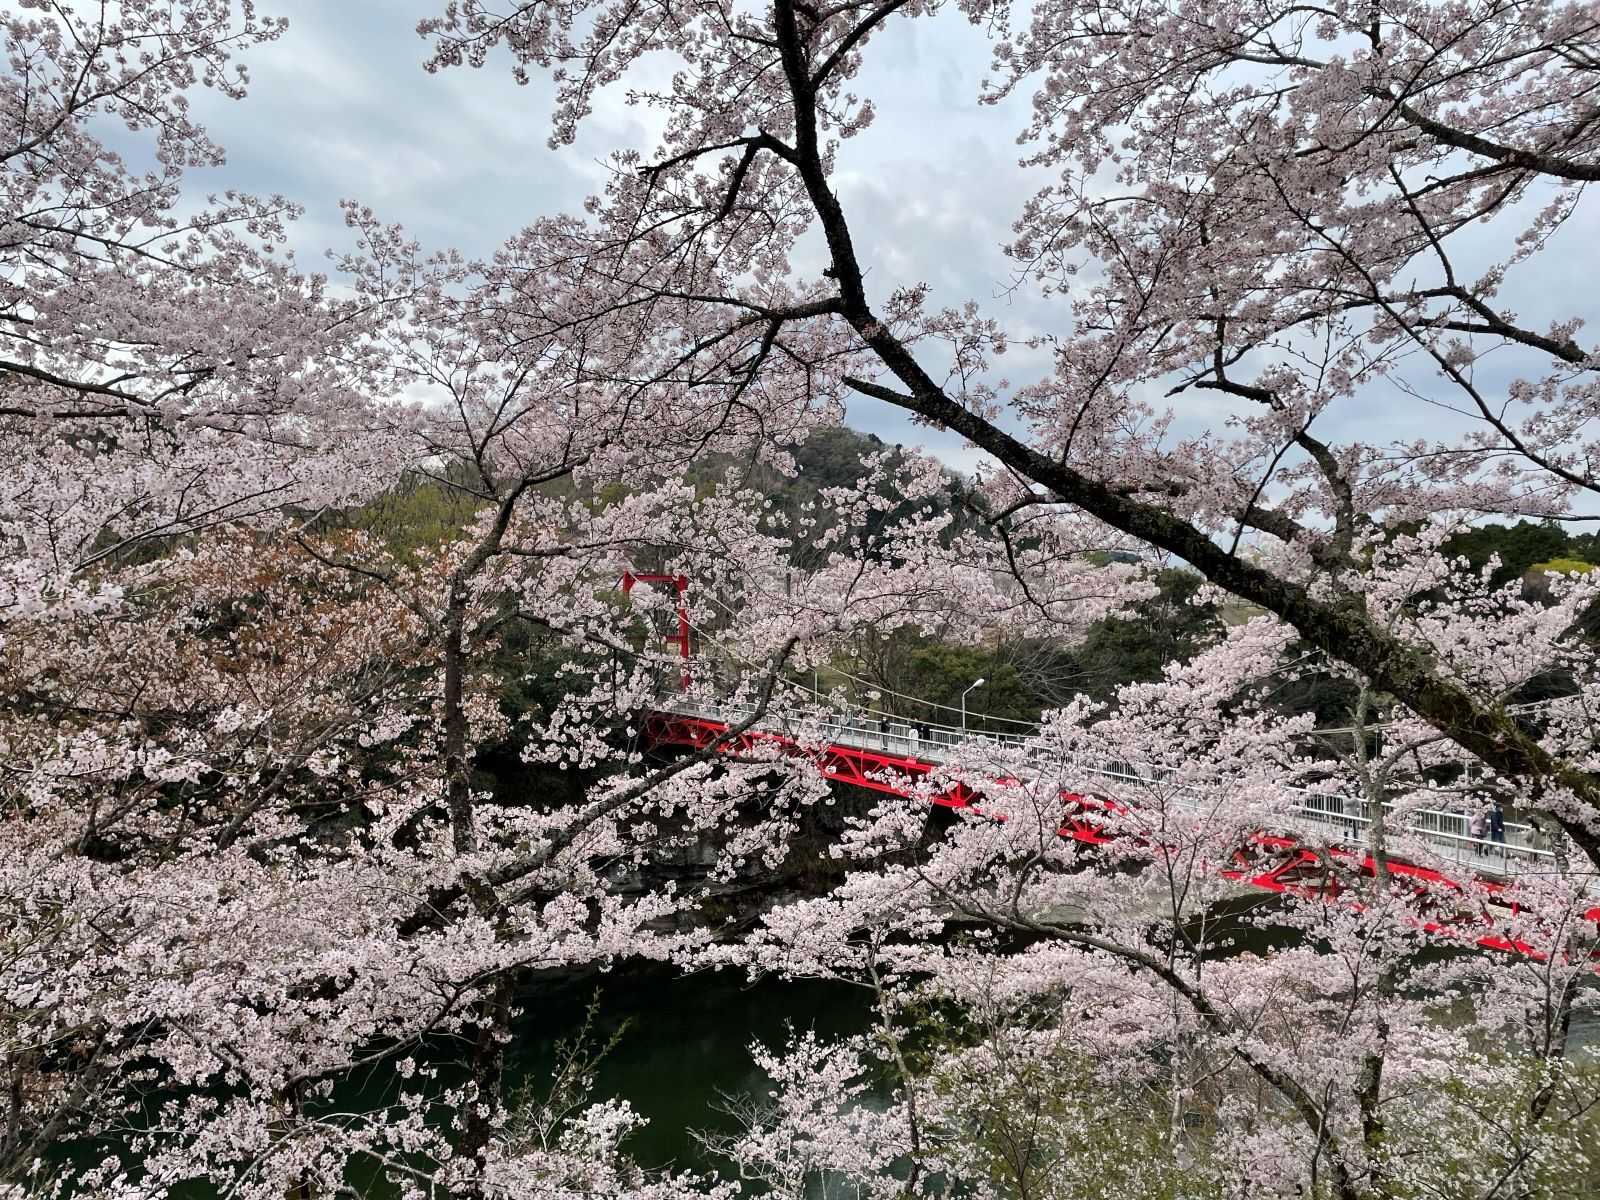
(882, 754)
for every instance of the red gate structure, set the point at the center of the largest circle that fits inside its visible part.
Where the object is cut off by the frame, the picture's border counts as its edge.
(681, 638)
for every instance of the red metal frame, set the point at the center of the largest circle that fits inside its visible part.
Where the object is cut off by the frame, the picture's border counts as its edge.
(843, 764)
(681, 638)
(1270, 861)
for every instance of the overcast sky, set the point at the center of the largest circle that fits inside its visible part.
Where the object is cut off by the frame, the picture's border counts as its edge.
(340, 107)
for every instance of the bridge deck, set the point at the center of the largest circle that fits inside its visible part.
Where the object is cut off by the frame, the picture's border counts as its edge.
(881, 755)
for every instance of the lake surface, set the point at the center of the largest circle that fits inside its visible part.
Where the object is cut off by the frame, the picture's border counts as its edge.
(686, 1047)
(687, 1043)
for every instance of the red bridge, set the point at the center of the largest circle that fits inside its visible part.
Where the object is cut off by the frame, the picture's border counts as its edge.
(1326, 838)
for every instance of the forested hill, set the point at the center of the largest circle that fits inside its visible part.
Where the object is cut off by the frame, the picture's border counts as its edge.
(1023, 677)
(1526, 550)
(833, 458)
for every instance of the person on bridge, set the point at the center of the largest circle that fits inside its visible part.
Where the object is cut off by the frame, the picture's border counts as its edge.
(1538, 842)
(1475, 827)
(1497, 825)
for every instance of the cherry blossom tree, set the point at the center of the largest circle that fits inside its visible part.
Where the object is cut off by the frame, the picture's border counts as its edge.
(250, 853)
(1286, 209)
(246, 854)
(576, 474)
(1119, 1001)
(164, 365)
(1269, 199)
(164, 372)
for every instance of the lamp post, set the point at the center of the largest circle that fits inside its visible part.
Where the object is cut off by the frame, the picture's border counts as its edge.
(976, 683)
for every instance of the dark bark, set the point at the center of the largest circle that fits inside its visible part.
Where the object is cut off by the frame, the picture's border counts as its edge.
(1340, 627)
(487, 1070)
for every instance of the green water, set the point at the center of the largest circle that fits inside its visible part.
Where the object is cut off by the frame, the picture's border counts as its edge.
(686, 1045)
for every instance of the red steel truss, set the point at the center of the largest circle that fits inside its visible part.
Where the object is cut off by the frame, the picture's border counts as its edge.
(1273, 862)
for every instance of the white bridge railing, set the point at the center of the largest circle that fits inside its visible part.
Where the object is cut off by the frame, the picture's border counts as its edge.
(1338, 820)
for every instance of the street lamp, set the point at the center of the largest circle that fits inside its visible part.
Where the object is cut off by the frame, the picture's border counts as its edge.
(976, 683)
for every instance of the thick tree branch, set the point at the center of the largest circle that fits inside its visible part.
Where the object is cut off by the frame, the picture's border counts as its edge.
(1541, 162)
